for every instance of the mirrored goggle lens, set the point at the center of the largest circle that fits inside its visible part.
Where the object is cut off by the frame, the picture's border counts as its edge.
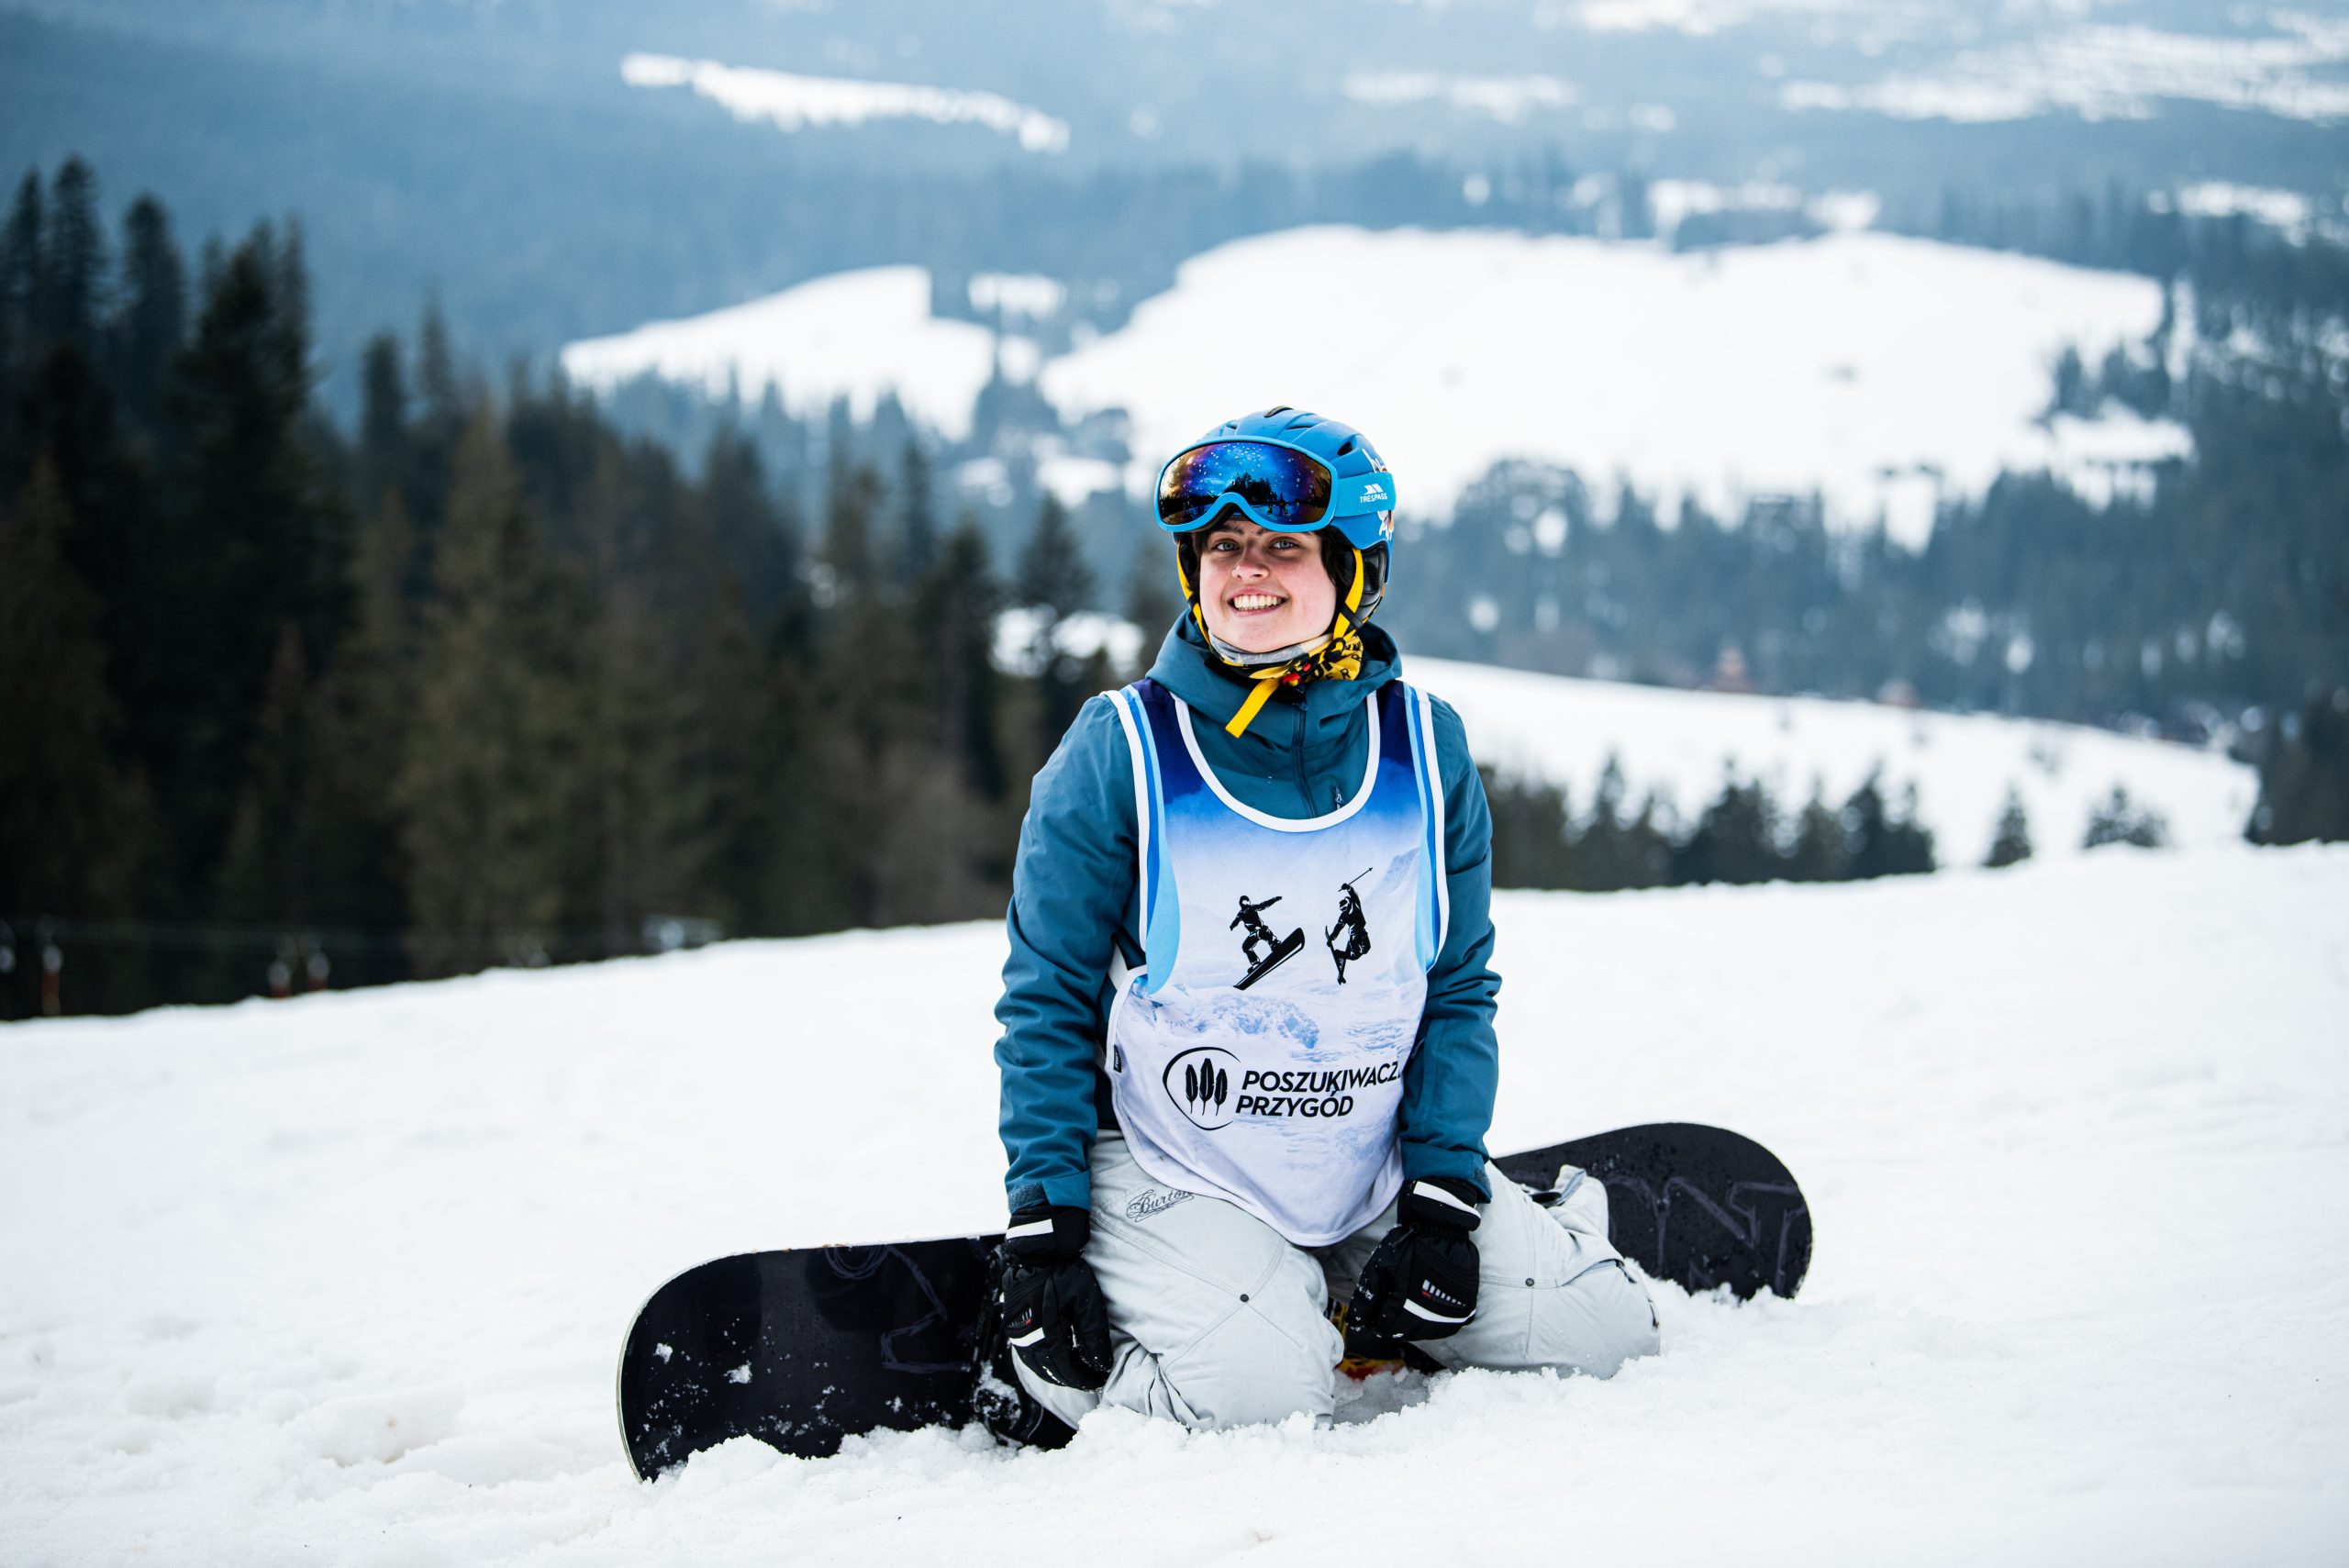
(1286, 488)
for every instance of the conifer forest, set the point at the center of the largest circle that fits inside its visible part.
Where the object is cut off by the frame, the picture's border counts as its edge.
(479, 677)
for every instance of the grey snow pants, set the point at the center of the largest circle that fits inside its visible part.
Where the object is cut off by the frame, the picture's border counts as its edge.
(1216, 1319)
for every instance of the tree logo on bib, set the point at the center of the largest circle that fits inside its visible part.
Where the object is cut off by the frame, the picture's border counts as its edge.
(1199, 1083)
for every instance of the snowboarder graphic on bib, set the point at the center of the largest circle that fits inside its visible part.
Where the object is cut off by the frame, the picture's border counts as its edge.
(1350, 938)
(1277, 950)
(1191, 1258)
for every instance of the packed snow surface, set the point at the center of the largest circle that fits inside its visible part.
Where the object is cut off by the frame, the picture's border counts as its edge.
(344, 1279)
(1680, 745)
(1884, 373)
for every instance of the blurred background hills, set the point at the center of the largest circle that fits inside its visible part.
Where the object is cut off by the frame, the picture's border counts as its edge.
(501, 482)
(487, 151)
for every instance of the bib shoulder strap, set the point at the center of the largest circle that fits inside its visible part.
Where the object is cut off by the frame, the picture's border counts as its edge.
(1146, 712)
(1427, 770)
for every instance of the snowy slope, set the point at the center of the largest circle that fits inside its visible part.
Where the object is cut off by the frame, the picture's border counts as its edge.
(1881, 371)
(1679, 745)
(1855, 365)
(854, 334)
(342, 1280)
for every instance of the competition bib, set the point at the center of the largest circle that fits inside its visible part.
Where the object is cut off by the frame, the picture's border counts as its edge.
(1258, 1054)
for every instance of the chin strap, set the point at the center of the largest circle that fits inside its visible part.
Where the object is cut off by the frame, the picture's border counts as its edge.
(1335, 656)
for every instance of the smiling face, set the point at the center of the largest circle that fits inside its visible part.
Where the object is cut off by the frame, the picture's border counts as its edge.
(1261, 590)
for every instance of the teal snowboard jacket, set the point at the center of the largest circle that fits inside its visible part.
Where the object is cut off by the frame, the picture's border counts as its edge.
(1074, 902)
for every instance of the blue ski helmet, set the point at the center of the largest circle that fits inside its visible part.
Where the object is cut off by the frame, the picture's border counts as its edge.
(1359, 482)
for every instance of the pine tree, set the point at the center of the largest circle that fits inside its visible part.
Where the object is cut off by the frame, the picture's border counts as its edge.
(382, 461)
(1606, 856)
(1867, 824)
(653, 763)
(852, 508)
(1054, 583)
(918, 514)
(2010, 845)
(1053, 575)
(481, 789)
(360, 716)
(1734, 840)
(277, 833)
(25, 273)
(956, 606)
(259, 541)
(69, 826)
(151, 316)
(1819, 854)
(1908, 845)
(77, 250)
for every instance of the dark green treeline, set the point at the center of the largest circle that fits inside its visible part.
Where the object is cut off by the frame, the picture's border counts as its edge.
(478, 683)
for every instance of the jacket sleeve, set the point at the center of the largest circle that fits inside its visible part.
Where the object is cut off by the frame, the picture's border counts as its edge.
(1071, 888)
(1448, 1087)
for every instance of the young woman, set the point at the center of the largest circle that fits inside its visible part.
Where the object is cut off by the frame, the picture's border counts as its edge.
(1248, 1054)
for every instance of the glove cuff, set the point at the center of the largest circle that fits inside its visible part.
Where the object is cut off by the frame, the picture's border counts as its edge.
(1048, 1235)
(1448, 1201)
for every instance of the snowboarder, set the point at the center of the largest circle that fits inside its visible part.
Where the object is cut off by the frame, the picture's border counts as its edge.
(1170, 1260)
(1356, 930)
(1252, 916)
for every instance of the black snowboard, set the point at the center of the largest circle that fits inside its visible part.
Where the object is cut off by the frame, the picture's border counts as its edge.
(1287, 948)
(802, 1349)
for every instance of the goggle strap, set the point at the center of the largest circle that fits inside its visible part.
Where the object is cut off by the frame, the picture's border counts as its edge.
(1189, 598)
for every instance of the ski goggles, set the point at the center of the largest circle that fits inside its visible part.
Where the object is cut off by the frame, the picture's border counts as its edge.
(1273, 484)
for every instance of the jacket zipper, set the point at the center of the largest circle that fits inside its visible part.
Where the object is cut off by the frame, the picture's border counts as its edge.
(1304, 784)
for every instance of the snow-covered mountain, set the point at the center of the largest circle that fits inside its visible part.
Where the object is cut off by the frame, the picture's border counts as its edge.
(344, 1279)
(1885, 373)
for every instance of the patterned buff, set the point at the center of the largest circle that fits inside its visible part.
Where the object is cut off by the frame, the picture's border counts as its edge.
(1338, 659)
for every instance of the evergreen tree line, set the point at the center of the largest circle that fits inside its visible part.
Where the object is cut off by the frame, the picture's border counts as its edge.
(479, 682)
(2206, 609)
(1745, 835)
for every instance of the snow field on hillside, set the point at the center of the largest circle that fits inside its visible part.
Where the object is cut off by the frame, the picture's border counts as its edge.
(344, 1279)
(1681, 745)
(1883, 372)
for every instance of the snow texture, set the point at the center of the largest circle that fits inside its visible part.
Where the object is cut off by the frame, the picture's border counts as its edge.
(344, 1279)
(1681, 744)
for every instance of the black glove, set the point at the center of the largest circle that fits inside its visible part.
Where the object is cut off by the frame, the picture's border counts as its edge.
(1420, 1283)
(1053, 1314)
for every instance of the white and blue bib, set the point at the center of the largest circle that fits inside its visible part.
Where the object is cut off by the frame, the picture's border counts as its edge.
(1258, 1054)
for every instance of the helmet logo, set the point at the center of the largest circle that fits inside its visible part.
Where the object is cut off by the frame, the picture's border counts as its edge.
(1372, 490)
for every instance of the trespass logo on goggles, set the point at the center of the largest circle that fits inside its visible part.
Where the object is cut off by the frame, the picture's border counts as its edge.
(1281, 487)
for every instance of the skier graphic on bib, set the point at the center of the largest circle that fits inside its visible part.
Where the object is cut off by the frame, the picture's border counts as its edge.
(1184, 1254)
(1351, 927)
